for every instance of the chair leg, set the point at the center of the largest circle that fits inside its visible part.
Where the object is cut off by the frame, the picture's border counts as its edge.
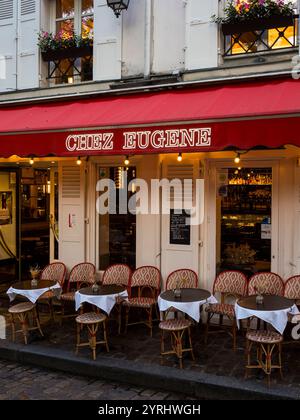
(150, 322)
(37, 321)
(78, 330)
(105, 336)
(127, 309)
(24, 325)
(207, 329)
(191, 344)
(13, 328)
(234, 331)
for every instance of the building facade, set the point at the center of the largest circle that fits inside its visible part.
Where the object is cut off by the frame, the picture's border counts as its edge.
(165, 81)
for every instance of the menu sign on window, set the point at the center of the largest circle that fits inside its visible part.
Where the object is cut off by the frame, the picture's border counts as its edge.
(180, 228)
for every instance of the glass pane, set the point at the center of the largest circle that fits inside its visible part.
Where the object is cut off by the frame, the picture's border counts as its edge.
(281, 37)
(65, 26)
(87, 7)
(86, 69)
(8, 223)
(244, 219)
(87, 27)
(247, 42)
(64, 9)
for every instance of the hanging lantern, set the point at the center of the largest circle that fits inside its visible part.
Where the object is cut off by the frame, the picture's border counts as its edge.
(118, 6)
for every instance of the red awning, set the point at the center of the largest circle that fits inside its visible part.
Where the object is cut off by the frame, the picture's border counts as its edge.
(243, 116)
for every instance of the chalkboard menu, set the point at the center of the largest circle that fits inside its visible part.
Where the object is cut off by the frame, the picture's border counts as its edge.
(180, 229)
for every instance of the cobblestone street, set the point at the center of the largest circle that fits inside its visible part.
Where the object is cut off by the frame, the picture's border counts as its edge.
(29, 383)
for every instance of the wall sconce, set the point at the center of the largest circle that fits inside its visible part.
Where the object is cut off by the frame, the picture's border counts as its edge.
(79, 161)
(31, 161)
(237, 159)
(126, 161)
(118, 6)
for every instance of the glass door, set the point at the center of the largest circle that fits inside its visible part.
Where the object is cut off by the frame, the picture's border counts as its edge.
(244, 219)
(9, 227)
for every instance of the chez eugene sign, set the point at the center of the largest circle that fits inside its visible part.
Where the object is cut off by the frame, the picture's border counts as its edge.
(141, 141)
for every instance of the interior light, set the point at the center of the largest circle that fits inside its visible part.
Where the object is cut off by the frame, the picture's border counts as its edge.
(237, 159)
(79, 161)
(179, 157)
(31, 161)
(126, 161)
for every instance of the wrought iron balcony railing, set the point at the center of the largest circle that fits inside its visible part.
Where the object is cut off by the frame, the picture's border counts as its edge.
(260, 36)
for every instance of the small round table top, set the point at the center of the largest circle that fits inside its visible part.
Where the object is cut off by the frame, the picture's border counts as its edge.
(109, 289)
(41, 284)
(187, 295)
(270, 303)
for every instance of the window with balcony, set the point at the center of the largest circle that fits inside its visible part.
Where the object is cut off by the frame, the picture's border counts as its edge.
(259, 33)
(70, 60)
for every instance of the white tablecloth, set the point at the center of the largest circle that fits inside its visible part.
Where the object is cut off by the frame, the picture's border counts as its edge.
(278, 319)
(103, 302)
(34, 294)
(192, 309)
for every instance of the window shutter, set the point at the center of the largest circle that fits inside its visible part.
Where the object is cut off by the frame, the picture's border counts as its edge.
(8, 35)
(71, 210)
(107, 42)
(168, 35)
(28, 52)
(202, 34)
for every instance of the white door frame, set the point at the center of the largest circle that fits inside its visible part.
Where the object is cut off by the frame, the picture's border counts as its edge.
(210, 211)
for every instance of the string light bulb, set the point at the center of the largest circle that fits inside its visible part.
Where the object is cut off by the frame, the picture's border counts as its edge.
(126, 161)
(79, 161)
(31, 161)
(179, 157)
(237, 159)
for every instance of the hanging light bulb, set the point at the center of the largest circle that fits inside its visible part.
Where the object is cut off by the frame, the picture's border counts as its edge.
(31, 161)
(126, 161)
(79, 161)
(179, 157)
(237, 159)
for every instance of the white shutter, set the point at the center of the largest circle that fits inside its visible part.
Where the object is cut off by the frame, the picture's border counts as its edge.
(107, 42)
(8, 35)
(28, 52)
(202, 34)
(168, 35)
(71, 211)
(174, 256)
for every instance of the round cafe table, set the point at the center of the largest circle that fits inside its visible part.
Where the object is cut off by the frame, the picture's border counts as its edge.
(274, 310)
(33, 293)
(105, 298)
(189, 303)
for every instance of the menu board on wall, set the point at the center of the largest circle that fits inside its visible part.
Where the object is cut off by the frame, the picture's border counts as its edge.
(180, 228)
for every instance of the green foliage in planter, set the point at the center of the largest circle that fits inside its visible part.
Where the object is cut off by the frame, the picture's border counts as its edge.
(48, 41)
(239, 11)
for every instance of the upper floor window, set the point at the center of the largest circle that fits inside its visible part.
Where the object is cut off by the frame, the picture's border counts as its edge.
(72, 65)
(251, 29)
(75, 16)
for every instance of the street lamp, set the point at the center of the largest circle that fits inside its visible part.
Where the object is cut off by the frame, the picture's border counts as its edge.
(118, 6)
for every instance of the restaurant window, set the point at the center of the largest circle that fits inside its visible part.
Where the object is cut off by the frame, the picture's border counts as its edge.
(74, 16)
(244, 219)
(117, 232)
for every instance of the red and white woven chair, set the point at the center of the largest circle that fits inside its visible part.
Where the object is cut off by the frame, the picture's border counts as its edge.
(82, 274)
(146, 279)
(292, 291)
(230, 284)
(119, 275)
(55, 271)
(182, 279)
(266, 283)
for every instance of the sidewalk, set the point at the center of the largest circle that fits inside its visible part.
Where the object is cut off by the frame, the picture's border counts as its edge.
(134, 358)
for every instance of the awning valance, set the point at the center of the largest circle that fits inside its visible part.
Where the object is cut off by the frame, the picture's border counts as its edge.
(241, 115)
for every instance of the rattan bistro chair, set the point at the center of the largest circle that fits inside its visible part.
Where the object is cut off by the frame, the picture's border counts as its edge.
(266, 342)
(55, 271)
(21, 313)
(81, 275)
(119, 275)
(144, 279)
(230, 284)
(183, 279)
(266, 283)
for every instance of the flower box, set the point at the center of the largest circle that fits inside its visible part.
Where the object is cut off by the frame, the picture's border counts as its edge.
(72, 52)
(257, 24)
